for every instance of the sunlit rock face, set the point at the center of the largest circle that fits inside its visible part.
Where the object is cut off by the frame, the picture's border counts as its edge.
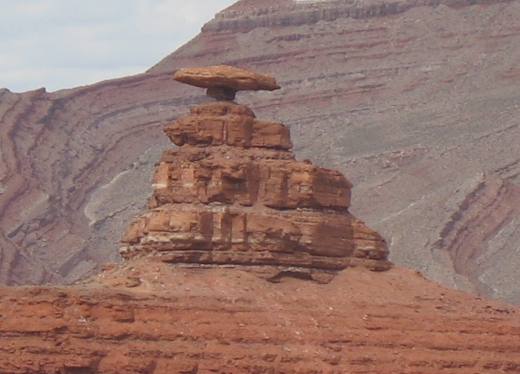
(234, 194)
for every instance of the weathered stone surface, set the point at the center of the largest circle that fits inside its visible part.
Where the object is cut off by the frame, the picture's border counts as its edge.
(233, 194)
(226, 77)
(231, 235)
(156, 318)
(228, 176)
(230, 124)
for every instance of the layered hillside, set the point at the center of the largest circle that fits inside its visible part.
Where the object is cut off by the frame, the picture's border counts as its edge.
(152, 318)
(417, 102)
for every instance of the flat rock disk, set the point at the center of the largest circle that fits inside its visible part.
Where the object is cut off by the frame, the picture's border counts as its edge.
(226, 78)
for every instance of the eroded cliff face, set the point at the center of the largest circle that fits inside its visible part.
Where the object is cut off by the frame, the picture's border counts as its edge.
(416, 102)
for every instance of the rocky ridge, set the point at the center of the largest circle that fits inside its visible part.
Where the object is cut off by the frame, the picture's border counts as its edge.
(233, 194)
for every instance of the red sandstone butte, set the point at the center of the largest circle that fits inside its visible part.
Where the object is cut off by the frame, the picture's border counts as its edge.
(233, 193)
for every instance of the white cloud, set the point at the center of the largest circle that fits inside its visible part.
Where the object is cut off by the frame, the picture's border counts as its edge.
(64, 43)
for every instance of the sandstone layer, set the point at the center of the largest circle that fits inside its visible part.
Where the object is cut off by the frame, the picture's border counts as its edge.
(223, 81)
(152, 318)
(416, 101)
(226, 76)
(234, 194)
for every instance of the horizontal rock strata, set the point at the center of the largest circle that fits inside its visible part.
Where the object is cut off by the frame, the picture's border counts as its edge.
(148, 318)
(206, 235)
(227, 124)
(233, 193)
(248, 15)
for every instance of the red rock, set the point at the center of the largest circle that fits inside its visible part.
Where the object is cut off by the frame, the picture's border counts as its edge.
(218, 235)
(228, 175)
(223, 82)
(233, 194)
(227, 123)
(151, 317)
(223, 76)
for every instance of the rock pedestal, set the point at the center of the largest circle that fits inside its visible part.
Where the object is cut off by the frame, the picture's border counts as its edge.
(232, 193)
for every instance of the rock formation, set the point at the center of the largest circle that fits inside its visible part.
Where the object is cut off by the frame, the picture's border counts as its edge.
(224, 81)
(416, 101)
(153, 318)
(233, 193)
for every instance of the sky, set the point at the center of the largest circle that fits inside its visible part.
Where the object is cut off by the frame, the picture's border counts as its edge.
(60, 44)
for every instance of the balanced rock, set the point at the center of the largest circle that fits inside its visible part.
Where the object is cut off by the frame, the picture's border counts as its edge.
(233, 193)
(223, 82)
